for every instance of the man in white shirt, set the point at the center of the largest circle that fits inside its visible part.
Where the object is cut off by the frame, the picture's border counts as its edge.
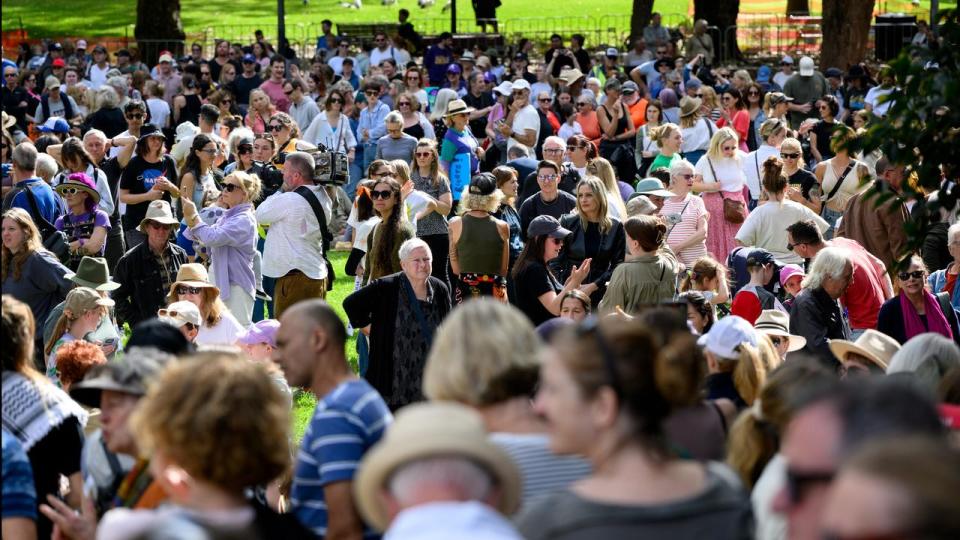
(97, 72)
(786, 71)
(343, 51)
(303, 109)
(382, 51)
(293, 251)
(523, 122)
(209, 116)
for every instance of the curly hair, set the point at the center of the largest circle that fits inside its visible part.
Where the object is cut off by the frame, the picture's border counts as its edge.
(75, 359)
(219, 417)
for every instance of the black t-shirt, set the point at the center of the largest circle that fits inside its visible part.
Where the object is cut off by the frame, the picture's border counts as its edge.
(241, 87)
(482, 102)
(805, 180)
(562, 62)
(56, 453)
(140, 177)
(533, 281)
(824, 133)
(534, 206)
(112, 169)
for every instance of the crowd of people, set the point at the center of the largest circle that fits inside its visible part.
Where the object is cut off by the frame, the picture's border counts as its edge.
(624, 294)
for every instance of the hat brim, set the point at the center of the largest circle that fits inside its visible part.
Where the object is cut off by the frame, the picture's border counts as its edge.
(163, 219)
(796, 342)
(658, 193)
(94, 194)
(153, 134)
(88, 392)
(468, 110)
(560, 233)
(385, 458)
(108, 286)
(841, 347)
(806, 72)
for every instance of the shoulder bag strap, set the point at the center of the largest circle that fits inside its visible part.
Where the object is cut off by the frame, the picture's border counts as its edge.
(709, 126)
(672, 227)
(415, 304)
(712, 170)
(840, 179)
(756, 162)
(305, 192)
(45, 226)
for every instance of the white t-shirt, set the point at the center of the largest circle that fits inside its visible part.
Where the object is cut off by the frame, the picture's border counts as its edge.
(873, 98)
(753, 167)
(728, 169)
(568, 130)
(377, 56)
(225, 332)
(362, 229)
(526, 119)
(766, 227)
(697, 137)
(97, 76)
(159, 112)
(781, 78)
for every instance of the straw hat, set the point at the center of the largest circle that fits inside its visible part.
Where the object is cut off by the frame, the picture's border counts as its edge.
(426, 430)
(8, 120)
(93, 272)
(457, 106)
(192, 275)
(876, 346)
(160, 212)
(83, 299)
(570, 76)
(774, 322)
(689, 106)
(79, 185)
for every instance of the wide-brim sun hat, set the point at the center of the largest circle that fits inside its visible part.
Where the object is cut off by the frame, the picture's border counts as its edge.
(76, 184)
(570, 76)
(876, 346)
(160, 212)
(93, 272)
(428, 430)
(192, 275)
(689, 106)
(777, 323)
(458, 106)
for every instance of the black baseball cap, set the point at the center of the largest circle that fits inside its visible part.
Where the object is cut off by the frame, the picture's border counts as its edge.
(483, 184)
(759, 257)
(546, 225)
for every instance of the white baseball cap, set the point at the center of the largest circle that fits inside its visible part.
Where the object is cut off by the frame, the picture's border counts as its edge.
(806, 66)
(727, 335)
(82, 44)
(521, 84)
(180, 313)
(505, 88)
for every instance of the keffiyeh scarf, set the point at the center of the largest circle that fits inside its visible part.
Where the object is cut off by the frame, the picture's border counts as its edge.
(31, 409)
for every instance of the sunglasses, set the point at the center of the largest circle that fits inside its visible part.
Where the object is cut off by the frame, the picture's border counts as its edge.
(904, 276)
(572, 147)
(790, 155)
(230, 188)
(335, 100)
(424, 154)
(226, 101)
(699, 95)
(210, 151)
(729, 148)
(273, 128)
(797, 483)
(157, 225)
(373, 93)
(183, 289)
(581, 105)
(552, 150)
(413, 78)
(753, 93)
(288, 93)
(69, 191)
(685, 176)
(245, 150)
(548, 177)
(374, 194)
(727, 98)
(544, 100)
(10, 75)
(403, 104)
(791, 246)
(205, 73)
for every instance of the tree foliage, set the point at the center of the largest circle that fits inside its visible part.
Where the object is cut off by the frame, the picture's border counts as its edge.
(640, 18)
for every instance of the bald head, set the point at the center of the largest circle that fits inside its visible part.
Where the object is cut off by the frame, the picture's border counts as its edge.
(310, 314)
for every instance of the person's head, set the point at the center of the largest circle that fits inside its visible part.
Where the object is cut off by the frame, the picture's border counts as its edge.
(24, 160)
(773, 132)
(804, 238)
(732, 99)
(209, 115)
(592, 205)
(548, 176)
(507, 181)
(700, 314)
(310, 343)
(241, 404)
(733, 346)
(75, 359)
(481, 194)
(82, 311)
(580, 150)
(890, 172)
(668, 137)
(654, 112)
(239, 188)
(773, 179)
(860, 119)
(576, 306)
(912, 279)
(184, 316)
(791, 152)
(259, 100)
(544, 240)
(17, 334)
(841, 139)
(586, 103)
(791, 278)
(444, 97)
(416, 260)
(829, 106)
(372, 90)
(681, 176)
(426, 156)
(283, 127)
(413, 79)
(646, 233)
(278, 65)
(228, 73)
(386, 195)
(264, 147)
(724, 144)
(394, 124)
(298, 170)
(79, 191)
(831, 270)
(832, 421)
(203, 151)
(20, 240)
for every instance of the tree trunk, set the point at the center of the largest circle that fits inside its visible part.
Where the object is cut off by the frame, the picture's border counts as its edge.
(640, 18)
(846, 28)
(723, 15)
(798, 7)
(158, 29)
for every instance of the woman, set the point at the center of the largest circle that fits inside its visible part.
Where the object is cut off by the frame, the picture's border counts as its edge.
(539, 294)
(766, 226)
(915, 310)
(508, 184)
(28, 81)
(755, 97)
(647, 148)
(771, 135)
(669, 139)
(615, 190)
(47, 423)
(598, 387)
(393, 229)
(31, 274)
(197, 183)
(720, 178)
(261, 56)
(260, 112)
(438, 115)
(587, 117)
(5, 159)
(225, 102)
(711, 106)
(696, 130)
(580, 152)
(432, 220)
(108, 117)
(395, 145)
(459, 148)
(227, 74)
(803, 187)
(617, 130)
(647, 275)
(735, 116)
(839, 178)
(576, 306)
(479, 243)
(685, 216)
(85, 225)
(671, 106)
(75, 159)
(232, 242)
(415, 123)
(218, 326)
(82, 312)
(286, 135)
(821, 135)
(700, 312)
(400, 313)
(186, 106)
(495, 372)
(945, 281)
(149, 176)
(332, 128)
(413, 80)
(736, 363)
(495, 118)
(594, 236)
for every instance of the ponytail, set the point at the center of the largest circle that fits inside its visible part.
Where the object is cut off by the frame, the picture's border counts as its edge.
(59, 329)
(749, 373)
(750, 445)
(774, 181)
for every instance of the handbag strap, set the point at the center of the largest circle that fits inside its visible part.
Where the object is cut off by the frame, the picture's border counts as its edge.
(836, 186)
(712, 170)
(415, 303)
(45, 227)
(674, 226)
(305, 192)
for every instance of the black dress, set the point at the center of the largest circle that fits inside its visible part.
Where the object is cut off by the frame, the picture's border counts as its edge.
(415, 131)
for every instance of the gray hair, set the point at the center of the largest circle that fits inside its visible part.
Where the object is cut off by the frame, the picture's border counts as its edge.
(302, 162)
(24, 156)
(588, 97)
(830, 262)
(393, 117)
(459, 474)
(928, 357)
(555, 139)
(107, 98)
(46, 167)
(953, 233)
(680, 166)
(95, 133)
(407, 248)
(518, 151)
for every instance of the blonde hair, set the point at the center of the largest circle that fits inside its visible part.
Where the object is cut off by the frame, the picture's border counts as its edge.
(750, 368)
(31, 243)
(602, 169)
(704, 268)
(791, 143)
(67, 317)
(486, 203)
(482, 368)
(709, 97)
(663, 132)
(249, 182)
(437, 174)
(721, 136)
(212, 309)
(258, 92)
(600, 195)
(401, 170)
(203, 413)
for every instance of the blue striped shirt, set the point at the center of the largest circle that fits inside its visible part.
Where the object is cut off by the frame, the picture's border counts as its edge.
(346, 423)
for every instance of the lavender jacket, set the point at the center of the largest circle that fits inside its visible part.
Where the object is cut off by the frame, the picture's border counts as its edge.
(232, 241)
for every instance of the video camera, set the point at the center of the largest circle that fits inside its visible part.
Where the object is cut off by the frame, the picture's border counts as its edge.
(330, 167)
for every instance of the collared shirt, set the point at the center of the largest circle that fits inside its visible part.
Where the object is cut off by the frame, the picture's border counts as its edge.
(294, 238)
(374, 122)
(232, 241)
(469, 520)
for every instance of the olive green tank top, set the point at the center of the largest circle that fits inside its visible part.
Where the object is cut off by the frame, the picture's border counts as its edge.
(480, 246)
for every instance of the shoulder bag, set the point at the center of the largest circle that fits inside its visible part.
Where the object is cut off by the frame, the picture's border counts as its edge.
(733, 211)
(326, 237)
(54, 241)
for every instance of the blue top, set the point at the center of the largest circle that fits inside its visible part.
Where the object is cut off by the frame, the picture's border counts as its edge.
(19, 495)
(374, 122)
(346, 423)
(48, 202)
(458, 158)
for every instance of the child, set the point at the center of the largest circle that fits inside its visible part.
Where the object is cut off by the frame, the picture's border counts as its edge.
(753, 298)
(791, 276)
(571, 127)
(258, 343)
(710, 278)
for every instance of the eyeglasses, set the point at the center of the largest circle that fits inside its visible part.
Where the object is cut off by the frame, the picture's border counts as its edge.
(403, 104)
(685, 176)
(572, 147)
(544, 100)
(230, 188)
(183, 289)
(334, 100)
(790, 155)
(273, 128)
(381, 174)
(211, 151)
(226, 101)
(413, 78)
(69, 191)
(10, 75)
(204, 73)
(555, 241)
(552, 150)
(753, 93)
(824, 108)
(373, 93)
(699, 95)
(791, 246)
(797, 483)
(424, 154)
(726, 98)
(381, 194)
(904, 276)
(581, 105)
(548, 177)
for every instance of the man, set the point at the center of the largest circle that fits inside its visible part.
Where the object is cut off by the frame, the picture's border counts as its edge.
(454, 80)
(639, 54)
(184, 316)
(97, 71)
(518, 158)
(654, 34)
(146, 272)
(753, 298)
(609, 68)
(553, 151)
(382, 49)
(396, 144)
(437, 475)
(55, 103)
(519, 68)
(438, 57)
(124, 63)
(816, 315)
(786, 71)
(407, 31)
(273, 86)
(54, 52)
(209, 116)
(876, 102)
(388, 67)
(302, 109)
(169, 79)
(481, 100)
(835, 80)
(245, 82)
(522, 124)
(700, 43)
(880, 227)
(348, 74)
(871, 285)
(550, 200)
(49, 205)
(326, 40)
(646, 73)
(15, 98)
(579, 53)
(831, 424)
(806, 88)
(293, 252)
(350, 418)
(372, 124)
(342, 53)
(558, 56)
(636, 103)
